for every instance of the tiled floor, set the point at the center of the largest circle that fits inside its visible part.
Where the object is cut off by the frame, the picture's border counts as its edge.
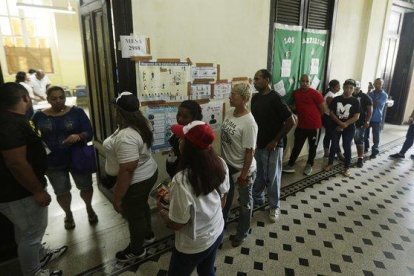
(362, 225)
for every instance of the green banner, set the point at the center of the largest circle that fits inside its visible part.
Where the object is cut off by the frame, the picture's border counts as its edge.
(286, 59)
(313, 56)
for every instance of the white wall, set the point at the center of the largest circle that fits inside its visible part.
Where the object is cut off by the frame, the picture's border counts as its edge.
(232, 33)
(359, 34)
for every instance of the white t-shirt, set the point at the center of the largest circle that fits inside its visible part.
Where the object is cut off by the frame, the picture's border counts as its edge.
(237, 135)
(126, 145)
(29, 89)
(203, 214)
(330, 94)
(39, 86)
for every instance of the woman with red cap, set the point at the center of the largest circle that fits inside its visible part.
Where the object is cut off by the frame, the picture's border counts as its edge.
(198, 192)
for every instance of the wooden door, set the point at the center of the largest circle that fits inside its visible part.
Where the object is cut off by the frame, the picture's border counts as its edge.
(391, 46)
(403, 70)
(100, 71)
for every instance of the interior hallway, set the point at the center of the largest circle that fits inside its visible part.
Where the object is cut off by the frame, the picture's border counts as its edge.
(362, 225)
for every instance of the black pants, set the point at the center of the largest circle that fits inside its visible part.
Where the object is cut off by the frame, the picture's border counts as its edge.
(301, 135)
(408, 140)
(137, 212)
(347, 136)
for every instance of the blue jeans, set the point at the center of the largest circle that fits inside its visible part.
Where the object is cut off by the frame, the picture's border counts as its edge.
(245, 202)
(59, 178)
(347, 136)
(359, 136)
(269, 175)
(30, 221)
(408, 140)
(182, 264)
(376, 129)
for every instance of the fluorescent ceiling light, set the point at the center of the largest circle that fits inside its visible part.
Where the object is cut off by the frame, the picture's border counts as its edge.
(31, 7)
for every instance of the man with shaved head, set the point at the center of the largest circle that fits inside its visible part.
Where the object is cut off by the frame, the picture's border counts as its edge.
(309, 106)
(40, 82)
(379, 98)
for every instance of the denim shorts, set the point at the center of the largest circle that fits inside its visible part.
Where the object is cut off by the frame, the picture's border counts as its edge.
(59, 178)
(359, 135)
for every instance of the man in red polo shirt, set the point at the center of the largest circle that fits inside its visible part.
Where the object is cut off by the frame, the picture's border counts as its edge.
(309, 105)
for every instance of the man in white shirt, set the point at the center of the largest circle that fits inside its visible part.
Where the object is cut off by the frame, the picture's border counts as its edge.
(40, 82)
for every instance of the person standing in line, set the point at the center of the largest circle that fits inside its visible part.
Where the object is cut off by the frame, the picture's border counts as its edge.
(128, 156)
(344, 112)
(64, 127)
(188, 111)
(310, 106)
(238, 142)
(194, 208)
(24, 79)
(362, 124)
(334, 87)
(24, 199)
(274, 120)
(408, 140)
(40, 83)
(379, 99)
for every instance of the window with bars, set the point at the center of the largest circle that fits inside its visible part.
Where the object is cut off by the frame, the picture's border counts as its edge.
(25, 37)
(313, 14)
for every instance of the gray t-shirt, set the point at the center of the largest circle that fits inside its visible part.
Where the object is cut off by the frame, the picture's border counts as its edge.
(237, 135)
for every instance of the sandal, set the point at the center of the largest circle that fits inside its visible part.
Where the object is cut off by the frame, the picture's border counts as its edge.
(93, 218)
(69, 223)
(328, 168)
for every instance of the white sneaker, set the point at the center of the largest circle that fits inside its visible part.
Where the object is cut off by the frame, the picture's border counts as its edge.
(47, 272)
(308, 169)
(274, 214)
(288, 169)
(52, 254)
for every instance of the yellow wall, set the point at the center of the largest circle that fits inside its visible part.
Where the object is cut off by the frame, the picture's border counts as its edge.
(66, 47)
(69, 63)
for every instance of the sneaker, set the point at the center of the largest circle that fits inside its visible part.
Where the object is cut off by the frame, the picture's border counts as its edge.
(288, 169)
(397, 156)
(274, 214)
(346, 172)
(69, 223)
(360, 162)
(235, 242)
(52, 254)
(126, 255)
(308, 169)
(150, 238)
(47, 272)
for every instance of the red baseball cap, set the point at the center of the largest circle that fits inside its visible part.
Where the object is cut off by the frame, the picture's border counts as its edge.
(197, 132)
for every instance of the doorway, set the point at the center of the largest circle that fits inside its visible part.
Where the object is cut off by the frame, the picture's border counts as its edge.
(398, 62)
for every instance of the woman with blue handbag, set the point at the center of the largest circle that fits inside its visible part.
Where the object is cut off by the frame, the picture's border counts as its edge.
(65, 131)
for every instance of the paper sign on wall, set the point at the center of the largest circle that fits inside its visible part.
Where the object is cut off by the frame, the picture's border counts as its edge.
(161, 119)
(133, 46)
(213, 114)
(286, 67)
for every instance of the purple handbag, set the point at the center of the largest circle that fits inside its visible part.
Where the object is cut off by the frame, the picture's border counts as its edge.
(83, 158)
